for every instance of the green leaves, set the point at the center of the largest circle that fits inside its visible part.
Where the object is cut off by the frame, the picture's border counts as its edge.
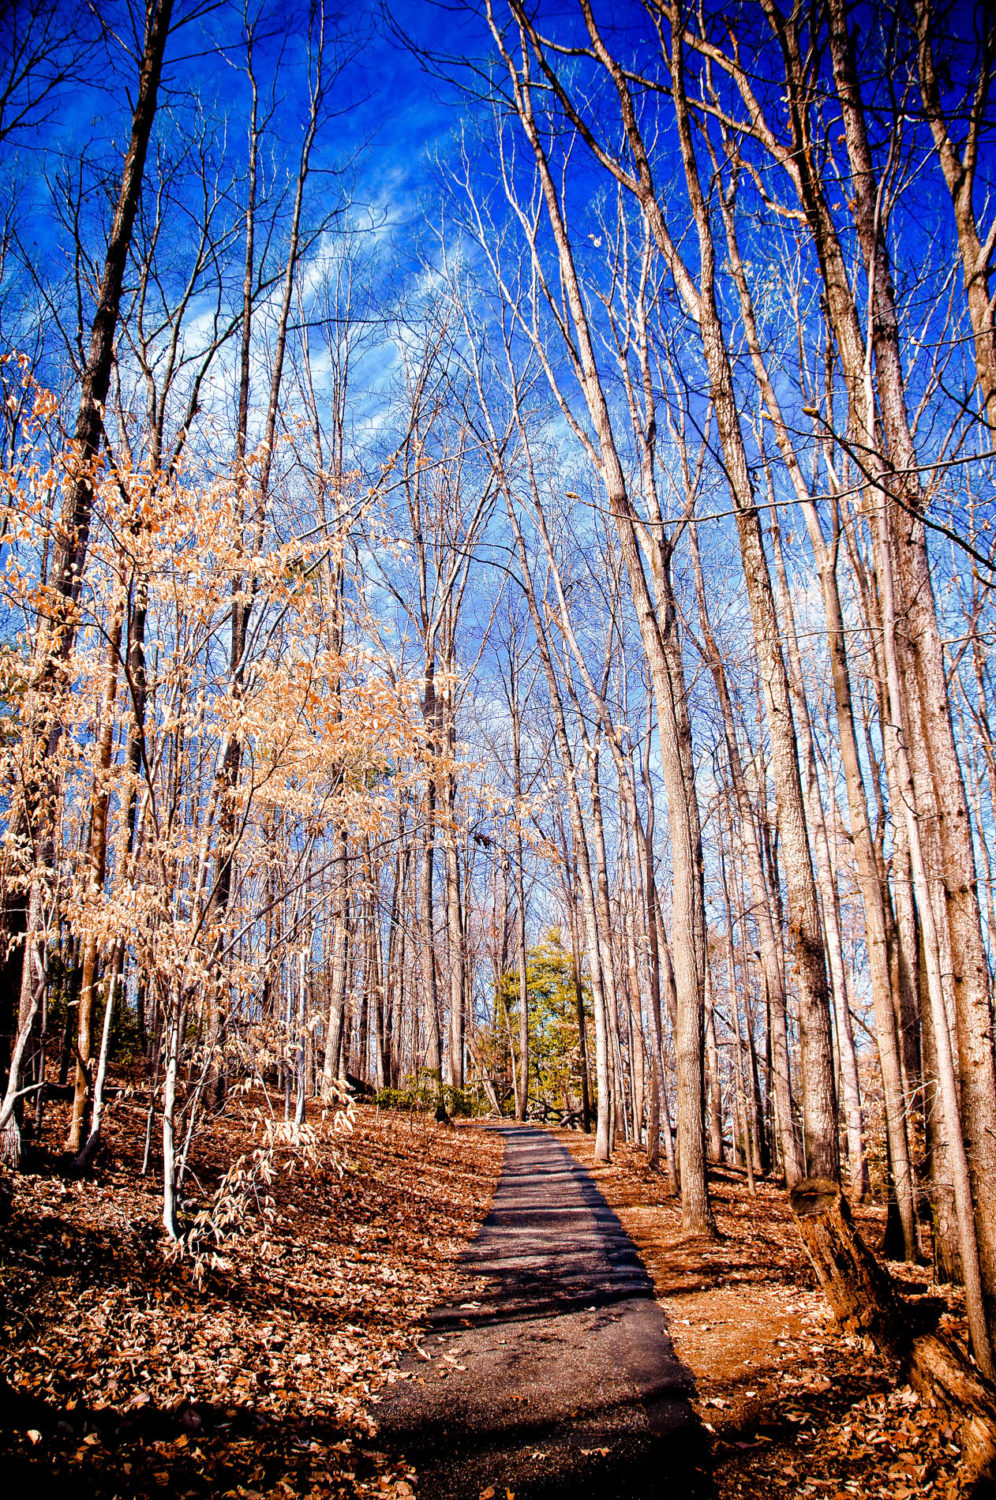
(554, 1035)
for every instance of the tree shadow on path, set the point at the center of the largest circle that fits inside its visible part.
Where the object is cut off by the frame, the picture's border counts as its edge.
(553, 1373)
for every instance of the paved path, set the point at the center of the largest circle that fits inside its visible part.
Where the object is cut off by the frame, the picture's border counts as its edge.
(553, 1374)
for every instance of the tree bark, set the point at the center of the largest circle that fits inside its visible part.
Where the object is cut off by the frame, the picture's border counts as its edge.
(864, 1301)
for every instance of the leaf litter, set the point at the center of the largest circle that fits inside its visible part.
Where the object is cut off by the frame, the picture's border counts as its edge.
(794, 1407)
(123, 1373)
(123, 1376)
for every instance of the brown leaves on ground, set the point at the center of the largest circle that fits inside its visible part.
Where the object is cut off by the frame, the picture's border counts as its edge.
(122, 1377)
(796, 1408)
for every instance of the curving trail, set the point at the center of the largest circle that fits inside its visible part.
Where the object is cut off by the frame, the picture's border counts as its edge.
(554, 1374)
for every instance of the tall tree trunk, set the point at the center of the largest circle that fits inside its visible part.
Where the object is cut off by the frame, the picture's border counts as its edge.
(32, 811)
(714, 1087)
(819, 1100)
(333, 1061)
(687, 925)
(975, 1302)
(932, 727)
(454, 937)
(522, 1098)
(580, 1010)
(830, 904)
(578, 833)
(772, 964)
(96, 863)
(427, 934)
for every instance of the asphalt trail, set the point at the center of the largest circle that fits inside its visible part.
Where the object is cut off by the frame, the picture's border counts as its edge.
(553, 1373)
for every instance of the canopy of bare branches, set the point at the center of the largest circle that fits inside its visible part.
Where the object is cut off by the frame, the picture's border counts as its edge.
(515, 637)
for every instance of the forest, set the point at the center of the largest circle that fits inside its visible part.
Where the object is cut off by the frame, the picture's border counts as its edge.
(498, 558)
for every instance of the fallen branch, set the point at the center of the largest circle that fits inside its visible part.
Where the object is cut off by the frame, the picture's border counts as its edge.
(864, 1300)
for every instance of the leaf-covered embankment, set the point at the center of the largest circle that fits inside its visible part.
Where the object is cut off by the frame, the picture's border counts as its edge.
(795, 1406)
(123, 1377)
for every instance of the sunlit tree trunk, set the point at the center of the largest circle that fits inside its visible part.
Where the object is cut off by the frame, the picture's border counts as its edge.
(603, 454)
(771, 955)
(929, 722)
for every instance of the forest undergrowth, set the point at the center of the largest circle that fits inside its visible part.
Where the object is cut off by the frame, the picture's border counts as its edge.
(795, 1408)
(125, 1374)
